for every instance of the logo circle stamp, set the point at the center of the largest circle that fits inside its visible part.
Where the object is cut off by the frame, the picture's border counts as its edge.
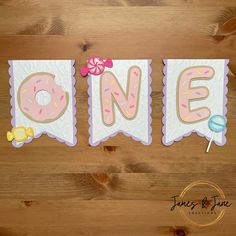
(202, 203)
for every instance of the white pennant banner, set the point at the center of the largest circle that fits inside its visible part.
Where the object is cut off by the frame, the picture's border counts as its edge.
(195, 99)
(120, 101)
(43, 100)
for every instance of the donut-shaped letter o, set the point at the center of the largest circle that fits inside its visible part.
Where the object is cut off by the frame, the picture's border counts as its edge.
(186, 94)
(28, 104)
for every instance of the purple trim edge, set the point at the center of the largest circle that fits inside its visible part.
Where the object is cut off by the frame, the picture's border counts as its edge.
(226, 70)
(92, 143)
(12, 102)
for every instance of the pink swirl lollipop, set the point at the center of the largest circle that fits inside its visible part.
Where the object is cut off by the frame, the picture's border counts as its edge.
(95, 66)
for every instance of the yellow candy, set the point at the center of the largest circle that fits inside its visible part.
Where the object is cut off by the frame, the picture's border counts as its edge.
(20, 134)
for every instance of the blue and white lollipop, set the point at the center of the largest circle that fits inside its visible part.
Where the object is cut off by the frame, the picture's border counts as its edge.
(216, 124)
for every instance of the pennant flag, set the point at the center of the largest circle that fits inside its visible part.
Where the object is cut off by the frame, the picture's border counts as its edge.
(195, 99)
(43, 100)
(119, 99)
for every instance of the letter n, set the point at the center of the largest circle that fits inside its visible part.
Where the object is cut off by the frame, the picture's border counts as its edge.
(112, 93)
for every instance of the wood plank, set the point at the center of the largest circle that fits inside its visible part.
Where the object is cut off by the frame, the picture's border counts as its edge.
(115, 3)
(98, 217)
(103, 186)
(157, 49)
(56, 20)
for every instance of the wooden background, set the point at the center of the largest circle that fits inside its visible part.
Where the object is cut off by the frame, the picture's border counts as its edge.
(120, 187)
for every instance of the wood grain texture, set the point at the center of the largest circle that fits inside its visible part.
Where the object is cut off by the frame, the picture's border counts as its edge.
(120, 187)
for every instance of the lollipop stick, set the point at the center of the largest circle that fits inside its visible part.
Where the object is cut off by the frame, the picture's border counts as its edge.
(209, 144)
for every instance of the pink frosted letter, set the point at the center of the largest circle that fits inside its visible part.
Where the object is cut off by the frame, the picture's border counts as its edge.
(186, 94)
(111, 92)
